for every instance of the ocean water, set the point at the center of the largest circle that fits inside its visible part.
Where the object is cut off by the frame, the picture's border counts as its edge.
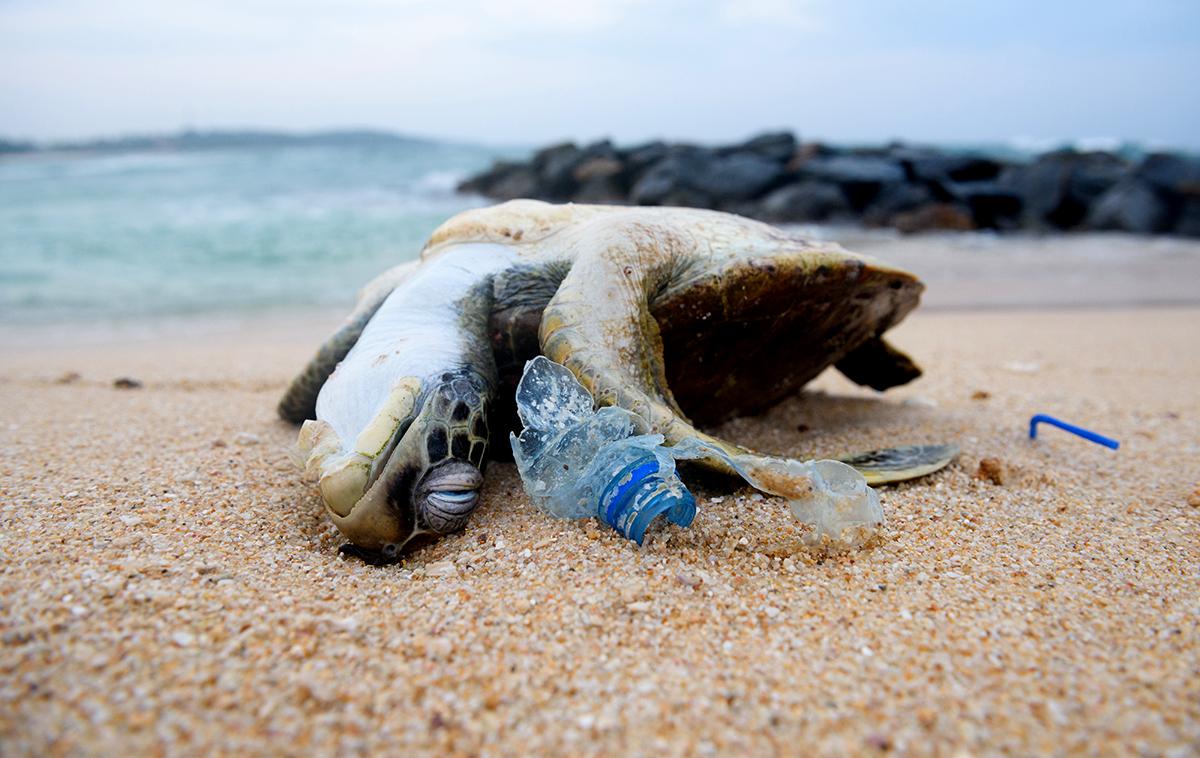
(134, 236)
(131, 239)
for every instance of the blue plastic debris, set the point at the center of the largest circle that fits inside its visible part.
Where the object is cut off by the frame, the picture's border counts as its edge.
(1087, 434)
(577, 462)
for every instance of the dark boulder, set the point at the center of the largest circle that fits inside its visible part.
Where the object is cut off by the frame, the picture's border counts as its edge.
(992, 205)
(860, 177)
(1171, 173)
(774, 177)
(721, 179)
(482, 182)
(807, 152)
(673, 181)
(1131, 206)
(1042, 186)
(1058, 189)
(639, 159)
(604, 190)
(667, 176)
(685, 197)
(504, 181)
(1093, 175)
(518, 183)
(847, 169)
(1188, 222)
(808, 200)
(774, 146)
(653, 187)
(895, 199)
(555, 168)
(553, 154)
(740, 176)
(942, 169)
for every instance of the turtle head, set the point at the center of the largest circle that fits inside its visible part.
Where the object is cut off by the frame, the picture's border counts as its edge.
(415, 477)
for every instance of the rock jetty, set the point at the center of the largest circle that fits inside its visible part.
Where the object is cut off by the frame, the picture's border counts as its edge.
(776, 178)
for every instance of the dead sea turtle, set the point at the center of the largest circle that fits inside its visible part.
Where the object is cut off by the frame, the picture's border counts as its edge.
(682, 316)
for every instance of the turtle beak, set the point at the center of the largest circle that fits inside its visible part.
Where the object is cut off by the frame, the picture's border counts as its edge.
(385, 518)
(447, 496)
(441, 502)
(412, 472)
(424, 484)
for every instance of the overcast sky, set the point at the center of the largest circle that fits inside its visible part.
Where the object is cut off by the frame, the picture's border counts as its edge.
(529, 71)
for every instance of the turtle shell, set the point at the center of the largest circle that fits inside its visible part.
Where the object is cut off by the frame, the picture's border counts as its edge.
(742, 337)
(747, 317)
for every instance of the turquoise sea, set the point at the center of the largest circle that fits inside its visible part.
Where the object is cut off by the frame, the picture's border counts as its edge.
(130, 236)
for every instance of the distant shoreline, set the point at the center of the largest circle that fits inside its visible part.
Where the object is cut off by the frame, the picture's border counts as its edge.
(191, 139)
(1015, 149)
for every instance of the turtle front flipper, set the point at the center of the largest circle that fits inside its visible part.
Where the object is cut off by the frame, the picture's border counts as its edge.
(400, 432)
(599, 325)
(299, 402)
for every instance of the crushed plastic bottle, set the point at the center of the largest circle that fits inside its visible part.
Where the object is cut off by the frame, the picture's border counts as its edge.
(578, 462)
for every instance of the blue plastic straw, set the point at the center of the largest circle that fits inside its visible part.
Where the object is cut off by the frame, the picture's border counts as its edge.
(1099, 439)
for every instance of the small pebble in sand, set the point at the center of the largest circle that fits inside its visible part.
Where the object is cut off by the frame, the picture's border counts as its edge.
(991, 470)
(1023, 367)
(441, 568)
(879, 742)
(1194, 498)
(127, 383)
(69, 378)
(246, 438)
(920, 401)
(689, 580)
(980, 395)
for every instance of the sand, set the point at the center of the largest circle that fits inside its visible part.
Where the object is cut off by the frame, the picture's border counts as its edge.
(170, 585)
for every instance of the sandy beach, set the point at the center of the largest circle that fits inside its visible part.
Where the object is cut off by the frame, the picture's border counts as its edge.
(192, 194)
(170, 585)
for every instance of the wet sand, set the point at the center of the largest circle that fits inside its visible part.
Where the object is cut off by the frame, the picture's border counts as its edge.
(170, 585)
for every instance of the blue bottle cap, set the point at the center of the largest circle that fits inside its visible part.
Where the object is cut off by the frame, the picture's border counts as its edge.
(637, 495)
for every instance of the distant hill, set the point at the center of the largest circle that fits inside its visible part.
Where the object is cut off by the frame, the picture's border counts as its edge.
(209, 140)
(15, 146)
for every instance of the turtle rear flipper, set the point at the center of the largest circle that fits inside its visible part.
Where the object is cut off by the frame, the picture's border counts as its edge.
(898, 464)
(878, 365)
